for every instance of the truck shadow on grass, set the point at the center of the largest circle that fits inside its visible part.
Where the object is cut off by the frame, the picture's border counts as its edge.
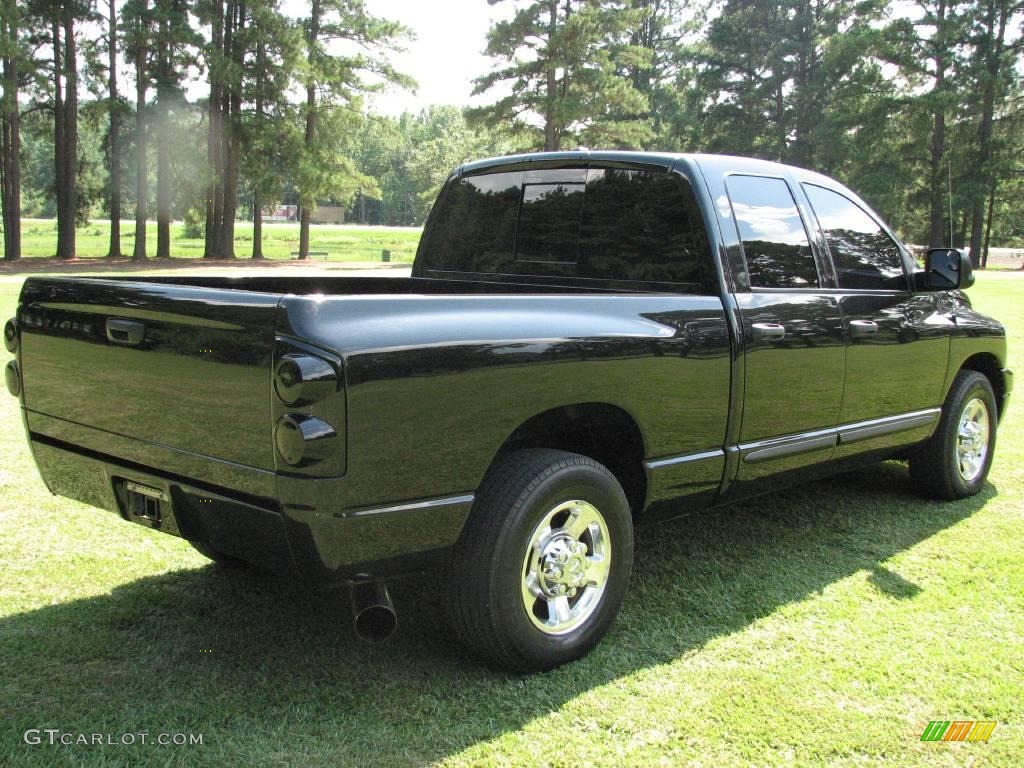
(272, 675)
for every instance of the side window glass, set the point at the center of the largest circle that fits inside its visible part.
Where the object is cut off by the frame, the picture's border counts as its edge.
(641, 225)
(864, 255)
(775, 243)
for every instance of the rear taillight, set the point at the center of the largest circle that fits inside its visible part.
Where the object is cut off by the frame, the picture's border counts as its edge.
(11, 335)
(309, 410)
(11, 374)
(13, 377)
(304, 379)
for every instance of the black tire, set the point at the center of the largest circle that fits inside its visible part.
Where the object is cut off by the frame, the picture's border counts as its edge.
(935, 466)
(220, 558)
(484, 594)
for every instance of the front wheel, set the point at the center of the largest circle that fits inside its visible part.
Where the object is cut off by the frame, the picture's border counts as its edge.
(540, 570)
(955, 461)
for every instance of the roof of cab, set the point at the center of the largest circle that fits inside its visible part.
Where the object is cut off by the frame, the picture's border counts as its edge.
(665, 159)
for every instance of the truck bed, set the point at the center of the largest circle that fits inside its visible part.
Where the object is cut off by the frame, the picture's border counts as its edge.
(170, 382)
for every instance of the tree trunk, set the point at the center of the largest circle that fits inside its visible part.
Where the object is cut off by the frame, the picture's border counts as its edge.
(257, 224)
(232, 140)
(802, 150)
(257, 194)
(551, 139)
(10, 144)
(988, 223)
(993, 40)
(59, 146)
(213, 140)
(310, 133)
(163, 141)
(115, 139)
(313, 36)
(142, 171)
(937, 189)
(66, 240)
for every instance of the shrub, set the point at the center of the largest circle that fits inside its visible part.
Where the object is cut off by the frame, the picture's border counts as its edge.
(195, 224)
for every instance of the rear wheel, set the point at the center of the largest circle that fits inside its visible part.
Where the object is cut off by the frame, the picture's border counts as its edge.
(955, 461)
(541, 568)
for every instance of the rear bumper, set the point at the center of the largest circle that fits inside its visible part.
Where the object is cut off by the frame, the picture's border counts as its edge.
(247, 531)
(298, 526)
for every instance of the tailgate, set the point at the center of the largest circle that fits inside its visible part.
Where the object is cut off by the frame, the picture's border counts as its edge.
(178, 366)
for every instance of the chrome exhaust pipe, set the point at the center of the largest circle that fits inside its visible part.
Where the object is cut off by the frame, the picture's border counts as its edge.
(373, 613)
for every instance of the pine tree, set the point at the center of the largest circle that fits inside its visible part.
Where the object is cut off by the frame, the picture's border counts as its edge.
(64, 16)
(770, 72)
(562, 61)
(10, 128)
(174, 44)
(268, 139)
(138, 16)
(335, 84)
(994, 57)
(114, 134)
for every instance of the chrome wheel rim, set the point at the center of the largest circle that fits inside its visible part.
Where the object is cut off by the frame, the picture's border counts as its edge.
(972, 440)
(566, 567)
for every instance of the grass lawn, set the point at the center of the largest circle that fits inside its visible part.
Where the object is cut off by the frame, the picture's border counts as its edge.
(821, 626)
(280, 240)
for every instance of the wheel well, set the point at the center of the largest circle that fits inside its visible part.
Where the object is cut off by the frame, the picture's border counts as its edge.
(987, 365)
(603, 432)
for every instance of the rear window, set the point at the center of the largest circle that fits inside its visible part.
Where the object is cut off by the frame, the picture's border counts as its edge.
(474, 227)
(775, 243)
(603, 223)
(548, 231)
(642, 225)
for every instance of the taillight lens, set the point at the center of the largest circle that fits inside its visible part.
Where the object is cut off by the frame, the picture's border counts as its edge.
(309, 410)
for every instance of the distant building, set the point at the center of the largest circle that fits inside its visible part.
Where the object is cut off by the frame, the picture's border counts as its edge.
(327, 214)
(281, 213)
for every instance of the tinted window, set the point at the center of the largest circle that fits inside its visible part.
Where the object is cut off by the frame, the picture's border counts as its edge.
(641, 225)
(473, 228)
(775, 243)
(601, 223)
(549, 222)
(864, 255)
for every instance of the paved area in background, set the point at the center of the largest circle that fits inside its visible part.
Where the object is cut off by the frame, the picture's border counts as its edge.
(235, 268)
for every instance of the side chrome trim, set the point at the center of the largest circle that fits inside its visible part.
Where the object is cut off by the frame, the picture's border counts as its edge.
(888, 425)
(412, 506)
(822, 439)
(791, 447)
(684, 459)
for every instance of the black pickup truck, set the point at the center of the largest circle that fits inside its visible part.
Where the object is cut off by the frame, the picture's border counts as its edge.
(587, 340)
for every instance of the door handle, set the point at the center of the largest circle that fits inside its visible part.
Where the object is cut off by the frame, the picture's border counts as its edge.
(860, 328)
(128, 332)
(767, 331)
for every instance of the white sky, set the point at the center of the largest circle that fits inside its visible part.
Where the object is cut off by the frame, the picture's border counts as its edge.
(446, 54)
(444, 57)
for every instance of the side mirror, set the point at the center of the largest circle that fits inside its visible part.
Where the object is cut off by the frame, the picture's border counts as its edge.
(946, 269)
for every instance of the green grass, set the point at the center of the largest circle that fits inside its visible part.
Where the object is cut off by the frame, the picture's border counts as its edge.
(821, 626)
(341, 242)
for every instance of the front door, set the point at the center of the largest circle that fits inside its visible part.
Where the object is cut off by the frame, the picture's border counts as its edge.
(897, 341)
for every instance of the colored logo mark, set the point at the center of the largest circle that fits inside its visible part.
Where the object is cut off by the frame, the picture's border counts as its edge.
(958, 730)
